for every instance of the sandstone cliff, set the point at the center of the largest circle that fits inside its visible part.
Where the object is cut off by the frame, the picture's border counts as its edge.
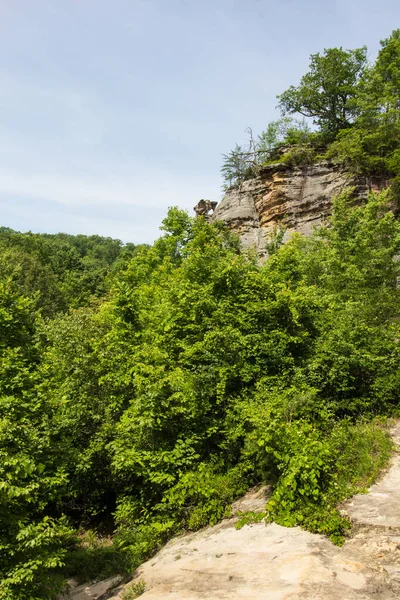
(292, 198)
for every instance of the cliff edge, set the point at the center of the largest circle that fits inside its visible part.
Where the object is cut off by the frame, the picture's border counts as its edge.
(284, 197)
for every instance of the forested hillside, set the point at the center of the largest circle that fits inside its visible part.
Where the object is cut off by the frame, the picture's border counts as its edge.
(143, 389)
(63, 271)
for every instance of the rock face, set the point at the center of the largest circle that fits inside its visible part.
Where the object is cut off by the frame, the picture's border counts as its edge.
(292, 198)
(203, 207)
(100, 590)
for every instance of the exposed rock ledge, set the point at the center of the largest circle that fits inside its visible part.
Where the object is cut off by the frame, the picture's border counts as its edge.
(292, 197)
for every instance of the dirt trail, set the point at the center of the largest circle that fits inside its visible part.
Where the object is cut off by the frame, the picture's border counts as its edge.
(269, 562)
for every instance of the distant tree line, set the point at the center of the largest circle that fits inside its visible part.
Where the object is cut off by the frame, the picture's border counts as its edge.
(60, 270)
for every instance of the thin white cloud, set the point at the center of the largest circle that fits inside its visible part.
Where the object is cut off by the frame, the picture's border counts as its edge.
(159, 190)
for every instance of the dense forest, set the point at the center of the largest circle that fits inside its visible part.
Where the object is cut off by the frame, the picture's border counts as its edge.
(144, 388)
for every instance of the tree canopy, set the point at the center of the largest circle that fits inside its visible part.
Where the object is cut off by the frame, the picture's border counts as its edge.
(327, 92)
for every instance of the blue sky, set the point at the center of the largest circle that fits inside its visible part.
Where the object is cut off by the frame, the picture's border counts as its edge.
(111, 111)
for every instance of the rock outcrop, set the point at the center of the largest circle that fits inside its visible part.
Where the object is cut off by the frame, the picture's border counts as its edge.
(291, 198)
(203, 207)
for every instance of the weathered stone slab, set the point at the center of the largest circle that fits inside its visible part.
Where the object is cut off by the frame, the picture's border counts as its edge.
(294, 198)
(92, 591)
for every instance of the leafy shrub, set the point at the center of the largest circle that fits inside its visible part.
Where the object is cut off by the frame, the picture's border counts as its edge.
(317, 473)
(299, 156)
(248, 518)
(203, 497)
(92, 557)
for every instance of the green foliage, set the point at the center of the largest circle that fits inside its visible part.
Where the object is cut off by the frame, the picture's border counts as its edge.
(203, 497)
(284, 132)
(92, 557)
(31, 542)
(372, 145)
(275, 241)
(201, 374)
(299, 156)
(236, 167)
(243, 163)
(318, 471)
(134, 590)
(84, 408)
(232, 345)
(326, 93)
(248, 518)
(34, 279)
(60, 270)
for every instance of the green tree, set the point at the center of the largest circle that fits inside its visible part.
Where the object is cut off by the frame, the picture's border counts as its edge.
(327, 92)
(33, 279)
(31, 539)
(67, 270)
(194, 334)
(371, 146)
(235, 167)
(83, 407)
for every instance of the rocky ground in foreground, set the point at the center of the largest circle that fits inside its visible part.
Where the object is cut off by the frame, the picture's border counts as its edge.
(269, 562)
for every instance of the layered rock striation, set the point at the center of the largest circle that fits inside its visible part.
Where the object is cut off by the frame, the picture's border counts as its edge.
(284, 197)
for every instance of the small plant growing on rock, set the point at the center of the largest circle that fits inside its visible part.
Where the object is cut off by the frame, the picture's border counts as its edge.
(135, 590)
(248, 518)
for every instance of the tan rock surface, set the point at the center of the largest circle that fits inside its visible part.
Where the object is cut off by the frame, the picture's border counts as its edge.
(295, 198)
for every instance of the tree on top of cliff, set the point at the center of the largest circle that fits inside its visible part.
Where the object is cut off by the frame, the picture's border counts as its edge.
(372, 145)
(326, 93)
(235, 167)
